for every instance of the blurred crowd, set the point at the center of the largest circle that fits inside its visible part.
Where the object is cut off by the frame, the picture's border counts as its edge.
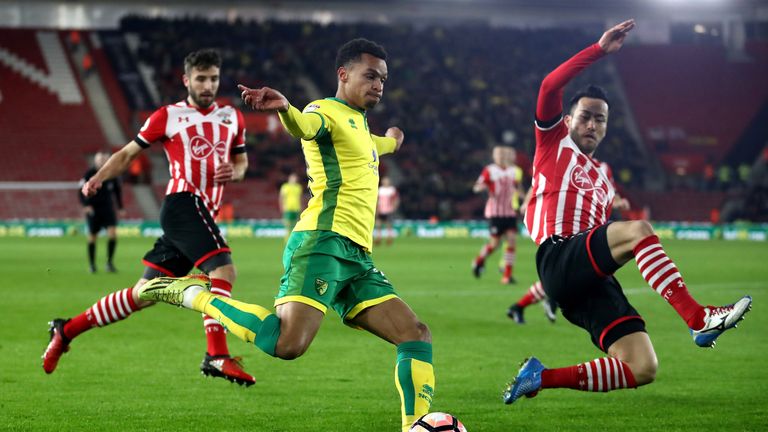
(456, 91)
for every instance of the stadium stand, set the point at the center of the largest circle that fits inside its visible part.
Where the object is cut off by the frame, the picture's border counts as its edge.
(454, 89)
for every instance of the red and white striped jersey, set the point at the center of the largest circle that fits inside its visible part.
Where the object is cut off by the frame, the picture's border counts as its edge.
(607, 171)
(571, 193)
(196, 141)
(502, 184)
(388, 200)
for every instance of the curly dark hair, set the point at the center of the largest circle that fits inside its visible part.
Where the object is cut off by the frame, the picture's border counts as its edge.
(352, 50)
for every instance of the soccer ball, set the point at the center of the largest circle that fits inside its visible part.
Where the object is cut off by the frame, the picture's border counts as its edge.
(438, 422)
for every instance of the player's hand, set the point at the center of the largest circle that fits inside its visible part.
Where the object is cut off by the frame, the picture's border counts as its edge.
(397, 134)
(225, 172)
(88, 210)
(91, 187)
(479, 187)
(264, 99)
(613, 39)
(621, 204)
(121, 213)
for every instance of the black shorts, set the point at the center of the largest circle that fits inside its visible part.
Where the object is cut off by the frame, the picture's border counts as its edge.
(577, 273)
(100, 218)
(499, 225)
(190, 239)
(384, 217)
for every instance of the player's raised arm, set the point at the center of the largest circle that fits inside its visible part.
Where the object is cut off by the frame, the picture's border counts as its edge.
(299, 125)
(390, 142)
(115, 165)
(550, 102)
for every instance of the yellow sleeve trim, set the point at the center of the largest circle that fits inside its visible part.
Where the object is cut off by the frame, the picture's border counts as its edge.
(301, 299)
(384, 145)
(302, 125)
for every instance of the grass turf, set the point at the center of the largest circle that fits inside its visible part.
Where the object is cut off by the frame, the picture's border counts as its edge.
(142, 374)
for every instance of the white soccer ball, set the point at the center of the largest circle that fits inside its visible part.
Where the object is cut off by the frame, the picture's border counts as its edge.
(438, 422)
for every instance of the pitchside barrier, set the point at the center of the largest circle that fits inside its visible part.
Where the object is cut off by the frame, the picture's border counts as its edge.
(402, 228)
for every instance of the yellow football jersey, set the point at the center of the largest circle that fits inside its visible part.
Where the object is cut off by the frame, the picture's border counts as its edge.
(342, 159)
(290, 196)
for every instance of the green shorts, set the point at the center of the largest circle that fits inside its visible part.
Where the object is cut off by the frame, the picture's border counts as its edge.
(325, 269)
(291, 217)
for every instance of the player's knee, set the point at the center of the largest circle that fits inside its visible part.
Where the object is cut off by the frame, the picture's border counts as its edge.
(226, 272)
(291, 350)
(423, 332)
(644, 370)
(640, 229)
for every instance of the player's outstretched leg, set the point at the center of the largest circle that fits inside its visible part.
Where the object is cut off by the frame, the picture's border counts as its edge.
(706, 324)
(250, 322)
(109, 309)
(599, 375)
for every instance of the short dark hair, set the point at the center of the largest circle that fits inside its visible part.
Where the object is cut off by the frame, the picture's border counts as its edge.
(591, 91)
(202, 59)
(352, 50)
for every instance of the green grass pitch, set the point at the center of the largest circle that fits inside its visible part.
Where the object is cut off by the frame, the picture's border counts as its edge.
(142, 374)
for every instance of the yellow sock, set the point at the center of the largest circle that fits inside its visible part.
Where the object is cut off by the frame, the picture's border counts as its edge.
(415, 380)
(250, 322)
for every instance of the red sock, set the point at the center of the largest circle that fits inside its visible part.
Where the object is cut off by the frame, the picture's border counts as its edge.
(600, 375)
(662, 275)
(509, 260)
(111, 308)
(215, 335)
(527, 300)
(484, 252)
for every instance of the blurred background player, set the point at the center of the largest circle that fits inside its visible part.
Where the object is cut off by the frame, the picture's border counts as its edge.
(99, 211)
(579, 250)
(290, 202)
(386, 206)
(205, 145)
(536, 293)
(327, 259)
(503, 181)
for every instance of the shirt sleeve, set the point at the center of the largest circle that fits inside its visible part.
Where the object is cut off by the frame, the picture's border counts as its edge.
(549, 106)
(384, 145)
(485, 178)
(308, 125)
(238, 146)
(153, 129)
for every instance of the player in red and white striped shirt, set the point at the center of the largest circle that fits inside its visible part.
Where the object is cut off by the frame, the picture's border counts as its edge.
(386, 206)
(503, 181)
(536, 293)
(579, 252)
(205, 146)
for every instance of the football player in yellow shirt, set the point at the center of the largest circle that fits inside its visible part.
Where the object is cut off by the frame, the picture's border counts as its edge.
(290, 202)
(327, 259)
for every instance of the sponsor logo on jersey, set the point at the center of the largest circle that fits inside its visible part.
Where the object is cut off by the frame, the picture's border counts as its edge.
(580, 180)
(202, 148)
(312, 107)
